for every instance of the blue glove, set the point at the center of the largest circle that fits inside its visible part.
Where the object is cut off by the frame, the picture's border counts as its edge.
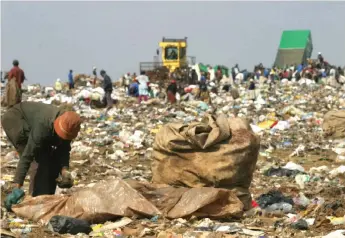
(14, 198)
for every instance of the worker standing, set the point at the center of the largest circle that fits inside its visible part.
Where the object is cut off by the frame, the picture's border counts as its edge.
(204, 94)
(58, 86)
(127, 81)
(134, 76)
(143, 81)
(134, 89)
(70, 80)
(94, 72)
(251, 90)
(42, 136)
(16, 78)
(108, 89)
(171, 91)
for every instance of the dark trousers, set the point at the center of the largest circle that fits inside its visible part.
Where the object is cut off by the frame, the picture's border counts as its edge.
(43, 173)
(43, 178)
(107, 100)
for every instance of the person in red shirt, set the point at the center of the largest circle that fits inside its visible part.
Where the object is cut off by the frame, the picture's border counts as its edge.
(14, 85)
(286, 74)
(219, 74)
(16, 73)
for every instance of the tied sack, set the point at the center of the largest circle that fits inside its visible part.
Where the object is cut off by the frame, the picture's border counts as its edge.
(334, 124)
(217, 152)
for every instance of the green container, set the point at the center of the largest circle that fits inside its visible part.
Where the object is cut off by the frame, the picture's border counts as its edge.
(296, 39)
(203, 68)
(295, 47)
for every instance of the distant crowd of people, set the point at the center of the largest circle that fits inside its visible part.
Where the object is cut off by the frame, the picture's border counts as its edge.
(139, 86)
(312, 69)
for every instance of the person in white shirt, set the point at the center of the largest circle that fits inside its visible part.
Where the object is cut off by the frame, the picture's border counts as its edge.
(143, 80)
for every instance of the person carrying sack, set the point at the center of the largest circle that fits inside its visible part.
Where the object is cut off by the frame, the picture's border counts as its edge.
(13, 89)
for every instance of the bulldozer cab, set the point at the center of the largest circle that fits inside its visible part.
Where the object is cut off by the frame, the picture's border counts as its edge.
(174, 63)
(174, 53)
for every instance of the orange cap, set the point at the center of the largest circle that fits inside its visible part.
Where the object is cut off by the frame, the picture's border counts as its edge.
(67, 126)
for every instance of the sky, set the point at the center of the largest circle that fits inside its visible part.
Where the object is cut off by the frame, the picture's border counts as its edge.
(49, 38)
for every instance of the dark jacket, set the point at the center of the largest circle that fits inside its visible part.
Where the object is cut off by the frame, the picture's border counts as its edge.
(70, 78)
(134, 90)
(172, 88)
(30, 128)
(107, 84)
(195, 78)
(202, 86)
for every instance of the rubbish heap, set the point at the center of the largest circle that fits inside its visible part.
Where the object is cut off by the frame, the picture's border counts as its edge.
(160, 170)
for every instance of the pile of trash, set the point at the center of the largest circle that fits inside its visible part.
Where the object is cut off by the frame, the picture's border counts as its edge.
(240, 168)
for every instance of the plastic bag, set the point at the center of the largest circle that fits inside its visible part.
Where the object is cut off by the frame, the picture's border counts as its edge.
(301, 179)
(292, 166)
(281, 172)
(64, 225)
(178, 97)
(95, 96)
(273, 197)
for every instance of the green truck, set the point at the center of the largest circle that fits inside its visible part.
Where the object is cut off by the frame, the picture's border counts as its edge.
(295, 48)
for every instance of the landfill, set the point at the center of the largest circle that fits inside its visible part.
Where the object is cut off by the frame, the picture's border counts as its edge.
(296, 189)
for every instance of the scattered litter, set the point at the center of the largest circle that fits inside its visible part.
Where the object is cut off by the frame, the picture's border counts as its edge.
(292, 163)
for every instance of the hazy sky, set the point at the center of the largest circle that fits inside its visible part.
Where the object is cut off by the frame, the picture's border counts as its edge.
(49, 38)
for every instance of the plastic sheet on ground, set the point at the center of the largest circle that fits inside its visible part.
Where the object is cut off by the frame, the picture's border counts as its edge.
(107, 200)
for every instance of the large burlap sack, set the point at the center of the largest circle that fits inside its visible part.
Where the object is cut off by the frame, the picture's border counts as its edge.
(334, 124)
(217, 152)
(109, 199)
(13, 93)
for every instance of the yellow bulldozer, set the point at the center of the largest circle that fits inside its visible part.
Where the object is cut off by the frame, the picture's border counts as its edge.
(174, 59)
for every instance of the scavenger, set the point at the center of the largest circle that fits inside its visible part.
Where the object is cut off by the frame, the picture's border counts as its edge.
(42, 136)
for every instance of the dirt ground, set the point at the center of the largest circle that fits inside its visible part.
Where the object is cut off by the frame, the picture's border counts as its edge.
(273, 224)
